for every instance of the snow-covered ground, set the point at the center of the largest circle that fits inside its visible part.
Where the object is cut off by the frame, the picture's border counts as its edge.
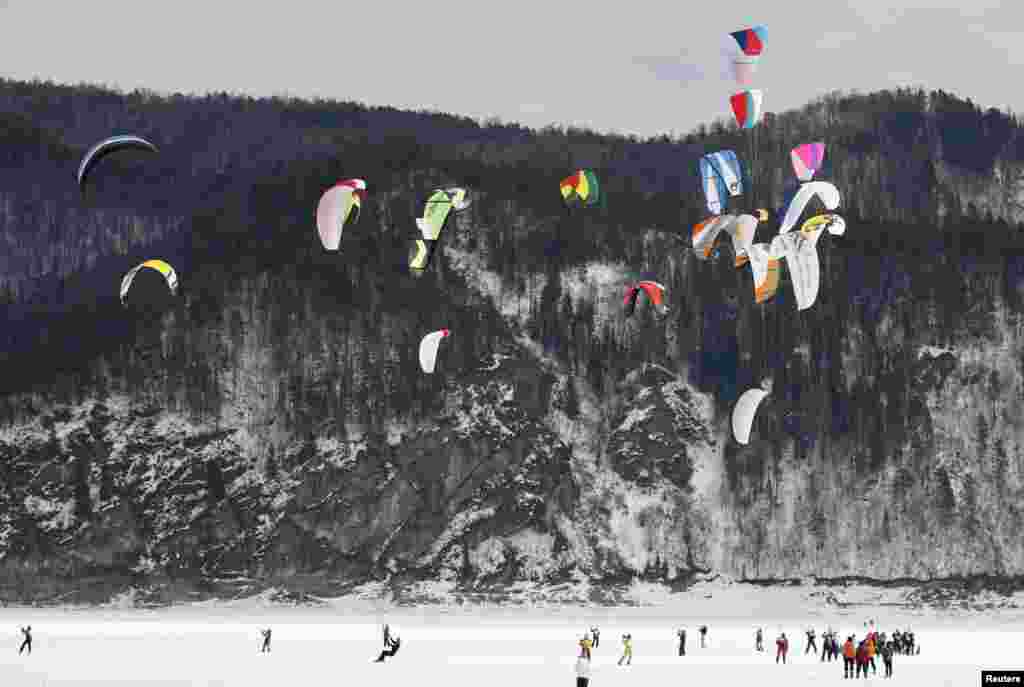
(217, 643)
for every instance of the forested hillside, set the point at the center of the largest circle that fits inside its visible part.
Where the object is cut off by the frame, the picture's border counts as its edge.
(274, 427)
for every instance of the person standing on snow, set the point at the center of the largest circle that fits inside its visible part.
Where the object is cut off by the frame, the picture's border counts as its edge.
(627, 650)
(582, 671)
(387, 636)
(781, 648)
(849, 654)
(596, 632)
(682, 641)
(27, 641)
(887, 651)
(861, 658)
(585, 645)
(703, 635)
(871, 647)
(266, 641)
(759, 640)
(811, 642)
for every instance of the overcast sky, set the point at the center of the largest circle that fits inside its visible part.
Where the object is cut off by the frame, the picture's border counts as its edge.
(643, 66)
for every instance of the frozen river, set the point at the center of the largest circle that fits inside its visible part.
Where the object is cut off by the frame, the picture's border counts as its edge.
(335, 645)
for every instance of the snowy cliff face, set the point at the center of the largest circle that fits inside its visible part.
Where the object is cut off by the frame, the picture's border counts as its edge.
(275, 428)
(115, 491)
(889, 448)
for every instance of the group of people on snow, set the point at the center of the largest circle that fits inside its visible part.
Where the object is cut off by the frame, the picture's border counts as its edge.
(829, 645)
(858, 656)
(592, 638)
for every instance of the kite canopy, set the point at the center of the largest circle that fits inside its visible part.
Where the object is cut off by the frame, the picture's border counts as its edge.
(420, 252)
(655, 293)
(742, 231)
(799, 248)
(721, 178)
(800, 251)
(835, 224)
(740, 228)
(746, 106)
(436, 209)
(706, 233)
(160, 266)
(743, 413)
(581, 188)
(828, 194)
(752, 40)
(339, 205)
(106, 147)
(435, 214)
(428, 349)
(765, 268)
(807, 159)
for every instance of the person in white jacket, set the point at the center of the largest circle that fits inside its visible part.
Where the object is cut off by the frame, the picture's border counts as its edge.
(582, 671)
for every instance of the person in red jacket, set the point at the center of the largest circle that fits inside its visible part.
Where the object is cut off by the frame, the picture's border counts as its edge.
(862, 659)
(781, 648)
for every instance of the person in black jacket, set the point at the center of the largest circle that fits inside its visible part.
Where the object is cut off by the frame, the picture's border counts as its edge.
(811, 644)
(887, 651)
(27, 642)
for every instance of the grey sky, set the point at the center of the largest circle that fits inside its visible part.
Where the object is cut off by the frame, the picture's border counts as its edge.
(651, 66)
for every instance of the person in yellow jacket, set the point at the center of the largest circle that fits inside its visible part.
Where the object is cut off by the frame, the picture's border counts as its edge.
(871, 655)
(585, 646)
(627, 649)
